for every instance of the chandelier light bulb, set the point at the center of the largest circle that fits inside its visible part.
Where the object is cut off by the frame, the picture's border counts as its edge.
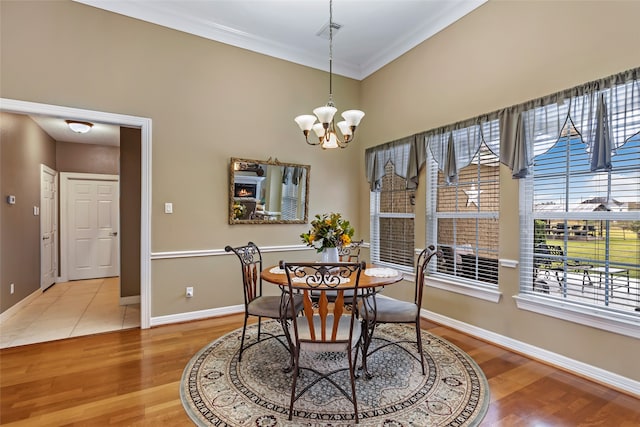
(318, 128)
(325, 114)
(331, 141)
(305, 121)
(353, 117)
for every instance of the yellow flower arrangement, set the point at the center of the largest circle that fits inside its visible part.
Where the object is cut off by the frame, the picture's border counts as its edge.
(328, 231)
(238, 210)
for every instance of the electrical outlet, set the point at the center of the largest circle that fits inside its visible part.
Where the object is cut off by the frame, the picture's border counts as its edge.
(189, 292)
(11, 289)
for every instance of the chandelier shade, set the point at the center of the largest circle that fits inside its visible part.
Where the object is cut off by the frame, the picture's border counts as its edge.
(325, 128)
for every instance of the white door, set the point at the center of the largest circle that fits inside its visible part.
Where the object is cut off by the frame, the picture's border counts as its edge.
(48, 226)
(93, 225)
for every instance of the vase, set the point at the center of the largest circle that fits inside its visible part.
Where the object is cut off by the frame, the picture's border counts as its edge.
(330, 255)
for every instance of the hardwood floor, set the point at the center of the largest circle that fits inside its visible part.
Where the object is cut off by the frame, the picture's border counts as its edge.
(132, 377)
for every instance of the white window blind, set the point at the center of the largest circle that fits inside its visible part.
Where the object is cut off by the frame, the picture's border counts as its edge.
(291, 201)
(462, 218)
(581, 241)
(392, 222)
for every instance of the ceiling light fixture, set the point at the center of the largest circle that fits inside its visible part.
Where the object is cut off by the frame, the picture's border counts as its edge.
(79, 127)
(325, 129)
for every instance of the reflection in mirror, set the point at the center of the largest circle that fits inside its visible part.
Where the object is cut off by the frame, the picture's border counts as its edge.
(268, 192)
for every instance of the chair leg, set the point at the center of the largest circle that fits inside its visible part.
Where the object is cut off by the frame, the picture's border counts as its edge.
(419, 344)
(244, 330)
(296, 371)
(352, 376)
(259, 326)
(368, 336)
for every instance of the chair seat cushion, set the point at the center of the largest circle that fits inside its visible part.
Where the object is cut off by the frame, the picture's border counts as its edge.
(304, 333)
(389, 310)
(269, 306)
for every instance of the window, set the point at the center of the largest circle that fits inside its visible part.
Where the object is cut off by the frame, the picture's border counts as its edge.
(583, 241)
(580, 205)
(392, 221)
(462, 218)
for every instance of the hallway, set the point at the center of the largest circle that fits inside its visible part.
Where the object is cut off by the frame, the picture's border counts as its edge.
(70, 309)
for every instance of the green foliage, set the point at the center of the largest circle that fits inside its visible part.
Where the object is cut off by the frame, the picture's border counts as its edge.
(539, 231)
(328, 231)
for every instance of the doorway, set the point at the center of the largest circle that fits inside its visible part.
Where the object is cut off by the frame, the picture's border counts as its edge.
(90, 213)
(48, 226)
(144, 124)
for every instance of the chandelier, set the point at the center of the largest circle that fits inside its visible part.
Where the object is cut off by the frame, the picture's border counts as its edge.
(325, 129)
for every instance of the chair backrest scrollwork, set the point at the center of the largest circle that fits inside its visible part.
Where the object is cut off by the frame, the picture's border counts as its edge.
(251, 265)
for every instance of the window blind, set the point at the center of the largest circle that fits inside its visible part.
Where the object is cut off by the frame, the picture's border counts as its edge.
(582, 241)
(392, 221)
(462, 218)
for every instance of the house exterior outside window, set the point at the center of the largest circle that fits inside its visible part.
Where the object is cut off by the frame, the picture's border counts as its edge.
(581, 246)
(462, 220)
(392, 222)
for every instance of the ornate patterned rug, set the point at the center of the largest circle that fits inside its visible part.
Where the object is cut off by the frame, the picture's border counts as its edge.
(217, 390)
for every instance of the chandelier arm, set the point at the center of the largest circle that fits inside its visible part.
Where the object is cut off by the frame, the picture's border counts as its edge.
(306, 138)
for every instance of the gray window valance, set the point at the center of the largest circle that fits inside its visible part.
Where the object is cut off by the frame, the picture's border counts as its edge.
(408, 155)
(605, 113)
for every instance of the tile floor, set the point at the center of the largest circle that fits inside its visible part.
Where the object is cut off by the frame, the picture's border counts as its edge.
(70, 309)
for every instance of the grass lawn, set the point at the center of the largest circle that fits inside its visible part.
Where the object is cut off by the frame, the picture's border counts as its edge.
(624, 248)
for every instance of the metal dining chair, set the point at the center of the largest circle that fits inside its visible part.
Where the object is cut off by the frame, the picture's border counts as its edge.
(256, 304)
(350, 252)
(377, 309)
(331, 327)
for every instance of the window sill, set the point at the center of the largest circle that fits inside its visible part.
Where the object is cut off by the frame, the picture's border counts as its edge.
(471, 289)
(620, 323)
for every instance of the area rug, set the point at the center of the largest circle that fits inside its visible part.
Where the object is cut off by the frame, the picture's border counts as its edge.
(217, 390)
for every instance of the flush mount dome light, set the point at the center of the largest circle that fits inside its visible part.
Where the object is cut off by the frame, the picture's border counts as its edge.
(79, 127)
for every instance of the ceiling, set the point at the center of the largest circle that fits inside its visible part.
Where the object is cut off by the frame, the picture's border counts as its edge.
(372, 34)
(101, 134)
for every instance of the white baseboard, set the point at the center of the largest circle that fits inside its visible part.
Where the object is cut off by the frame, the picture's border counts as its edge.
(596, 374)
(19, 305)
(130, 300)
(196, 315)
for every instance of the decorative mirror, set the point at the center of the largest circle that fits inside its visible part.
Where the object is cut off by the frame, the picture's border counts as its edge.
(268, 192)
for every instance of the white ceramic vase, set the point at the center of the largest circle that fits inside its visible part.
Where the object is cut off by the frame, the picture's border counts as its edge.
(330, 255)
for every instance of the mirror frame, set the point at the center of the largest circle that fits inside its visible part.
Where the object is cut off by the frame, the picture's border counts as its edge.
(269, 162)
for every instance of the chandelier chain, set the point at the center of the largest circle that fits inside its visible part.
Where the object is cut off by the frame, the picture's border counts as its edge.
(330, 52)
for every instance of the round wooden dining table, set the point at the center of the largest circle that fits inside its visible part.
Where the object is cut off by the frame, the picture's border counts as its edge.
(275, 275)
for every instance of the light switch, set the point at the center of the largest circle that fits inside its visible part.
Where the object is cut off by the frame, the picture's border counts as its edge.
(36, 211)
(168, 208)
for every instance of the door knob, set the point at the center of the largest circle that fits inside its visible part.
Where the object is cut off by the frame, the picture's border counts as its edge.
(115, 233)
(45, 237)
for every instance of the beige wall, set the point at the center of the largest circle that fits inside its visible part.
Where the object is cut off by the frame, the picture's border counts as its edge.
(502, 54)
(209, 102)
(19, 227)
(87, 158)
